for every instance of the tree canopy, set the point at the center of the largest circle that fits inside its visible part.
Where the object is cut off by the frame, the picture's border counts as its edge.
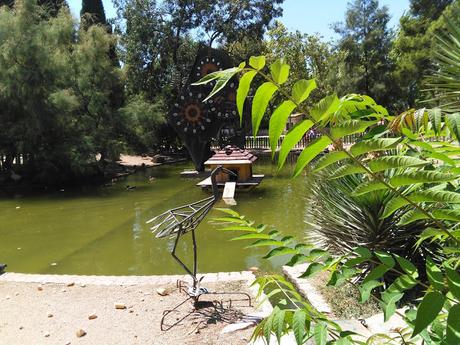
(413, 46)
(365, 39)
(57, 108)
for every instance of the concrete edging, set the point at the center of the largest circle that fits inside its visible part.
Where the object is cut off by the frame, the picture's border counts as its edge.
(305, 288)
(122, 280)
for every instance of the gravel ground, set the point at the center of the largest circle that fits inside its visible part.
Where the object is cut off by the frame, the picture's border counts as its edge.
(52, 313)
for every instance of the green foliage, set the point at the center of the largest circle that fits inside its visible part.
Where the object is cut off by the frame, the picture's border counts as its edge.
(309, 57)
(366, 41)
(59, 99)
(412, 48)
(395, 195)
(92, 12)
(443, 84)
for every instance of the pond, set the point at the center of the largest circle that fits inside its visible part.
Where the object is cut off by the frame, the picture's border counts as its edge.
(103, 230)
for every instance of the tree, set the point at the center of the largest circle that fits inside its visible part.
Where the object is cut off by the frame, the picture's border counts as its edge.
(158, 47)
(231, 21)
(37, 103)
(309, 55)
(56, 101)
(92, 12)
(443, 82)
(366, 42)
(51, 6)
(413, 46)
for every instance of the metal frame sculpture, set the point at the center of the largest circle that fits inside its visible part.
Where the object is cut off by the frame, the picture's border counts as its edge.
(177, 222)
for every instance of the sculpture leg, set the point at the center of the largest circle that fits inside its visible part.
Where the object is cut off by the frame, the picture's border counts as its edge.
(195, 259)
(173, 253)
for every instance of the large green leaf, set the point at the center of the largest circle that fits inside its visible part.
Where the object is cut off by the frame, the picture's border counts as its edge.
(302, 89)
(320, 333)
(310, 152)
(291, 139)
(393, 205)
(278, 123)
(350, 127)
(369, 186)
(299, 323)
(385, 258)
(312, 268)
(278, 323)
(412, 177)
(376, 273)
(372, 145)
(265, 243)
(251, 236)
(257, 62)
(394, 162)
(412, 216)
(453, 280)
(435, 118)
(238, 228)
(441, 157)
(453, 123)
(330, 158)
(428, 196)
(279, 71)
(402, 283)
(447, 214)
(453, 326)
(348, 169)
(269, 325)
(243, 90)
(428, 310)
(280, 251)
(366, 289)
(434, 275)
(389, 303)
(325, 107)
(260, 102)
(221, 78)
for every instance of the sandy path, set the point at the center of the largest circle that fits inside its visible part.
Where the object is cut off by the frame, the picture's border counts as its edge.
(130, 161)
(25, 316)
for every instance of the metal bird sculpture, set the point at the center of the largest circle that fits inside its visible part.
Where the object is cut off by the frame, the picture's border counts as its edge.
(175, 223)
(183, 219)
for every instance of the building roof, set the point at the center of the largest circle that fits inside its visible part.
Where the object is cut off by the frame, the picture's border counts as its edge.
(231, 155)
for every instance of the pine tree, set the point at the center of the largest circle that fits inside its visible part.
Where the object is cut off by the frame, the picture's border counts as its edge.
(412, 48)
(366, 42)
(6, 2)
(52, 6)
(92, 12)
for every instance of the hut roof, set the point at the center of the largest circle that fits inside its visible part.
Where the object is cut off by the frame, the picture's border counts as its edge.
(231, 155)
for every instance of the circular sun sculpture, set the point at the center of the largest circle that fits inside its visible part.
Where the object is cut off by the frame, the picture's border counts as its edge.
(190, 114)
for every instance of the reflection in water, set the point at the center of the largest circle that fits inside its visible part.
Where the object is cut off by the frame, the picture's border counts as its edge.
(100, 230)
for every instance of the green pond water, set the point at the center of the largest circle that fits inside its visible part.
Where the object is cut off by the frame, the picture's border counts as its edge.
(103, 230)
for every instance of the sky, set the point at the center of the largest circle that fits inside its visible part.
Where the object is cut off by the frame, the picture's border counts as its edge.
(307, 16)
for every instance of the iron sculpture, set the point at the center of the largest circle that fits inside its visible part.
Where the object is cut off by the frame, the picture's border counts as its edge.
(177, 222)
